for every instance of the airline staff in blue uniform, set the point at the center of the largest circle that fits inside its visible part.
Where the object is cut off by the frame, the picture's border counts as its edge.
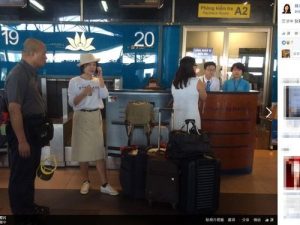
(237, 83)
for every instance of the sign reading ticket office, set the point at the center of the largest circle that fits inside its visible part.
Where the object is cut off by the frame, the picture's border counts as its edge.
(207, 10)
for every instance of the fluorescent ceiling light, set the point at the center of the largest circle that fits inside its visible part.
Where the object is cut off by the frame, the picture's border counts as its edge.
(37, 5)
(245, 3)
(104, 5)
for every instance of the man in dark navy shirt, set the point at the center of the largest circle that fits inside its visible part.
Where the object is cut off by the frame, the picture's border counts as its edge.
(27, 110)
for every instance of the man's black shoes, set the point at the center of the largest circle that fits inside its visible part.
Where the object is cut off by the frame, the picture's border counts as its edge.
(41, 210)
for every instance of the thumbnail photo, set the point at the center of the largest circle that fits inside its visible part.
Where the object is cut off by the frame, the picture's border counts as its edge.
(292, 172)
(292, 102)
(286, 9)
(285, 53)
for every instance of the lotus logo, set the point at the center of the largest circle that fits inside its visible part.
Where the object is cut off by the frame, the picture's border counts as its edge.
(80, 43)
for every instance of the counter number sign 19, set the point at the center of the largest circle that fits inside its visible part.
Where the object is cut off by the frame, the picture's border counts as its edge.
(10, 37)
(144, 39)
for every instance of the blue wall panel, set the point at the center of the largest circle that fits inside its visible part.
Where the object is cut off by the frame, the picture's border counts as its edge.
(130, 51)
(170, 54)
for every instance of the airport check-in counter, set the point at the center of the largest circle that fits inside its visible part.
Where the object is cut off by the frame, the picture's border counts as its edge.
(3, 147)
(61, 139)
(115, 134)
(3, 142)
(230, 120)
(54, 91)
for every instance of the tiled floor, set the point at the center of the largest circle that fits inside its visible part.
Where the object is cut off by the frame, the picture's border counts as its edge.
(263, 178)
(252, 194)
(240, 194)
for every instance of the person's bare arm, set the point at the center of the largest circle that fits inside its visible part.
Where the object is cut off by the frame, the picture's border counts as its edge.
(201, 90)
(16, 120)
(103, 92)
(85, 92)
(100, 77)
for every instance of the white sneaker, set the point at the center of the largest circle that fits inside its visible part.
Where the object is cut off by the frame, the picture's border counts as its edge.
(85, 187)
(108, 190)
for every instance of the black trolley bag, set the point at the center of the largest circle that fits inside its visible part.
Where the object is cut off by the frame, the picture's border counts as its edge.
(162, 180)
(199, 170)
(133, 171)
(134, 158)
(199, 185)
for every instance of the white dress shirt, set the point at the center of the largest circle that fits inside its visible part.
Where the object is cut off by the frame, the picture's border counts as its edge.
(214, 83)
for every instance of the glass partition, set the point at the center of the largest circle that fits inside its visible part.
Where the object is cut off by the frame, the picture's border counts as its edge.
(228, 45)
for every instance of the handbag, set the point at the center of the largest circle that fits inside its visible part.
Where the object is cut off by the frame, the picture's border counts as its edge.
(46, 131)
(188, 144)
(40, 129)
(45, 172)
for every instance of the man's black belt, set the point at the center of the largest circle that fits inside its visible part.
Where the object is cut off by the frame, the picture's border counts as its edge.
(34, 116)
(89, 110)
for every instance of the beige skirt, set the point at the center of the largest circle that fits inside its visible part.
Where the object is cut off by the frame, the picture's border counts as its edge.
(87, 136)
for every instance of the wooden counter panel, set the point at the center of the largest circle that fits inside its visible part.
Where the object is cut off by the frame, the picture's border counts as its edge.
(231, 140)
(230, 120)
(221, 126)
(215, 113)
(239, 106)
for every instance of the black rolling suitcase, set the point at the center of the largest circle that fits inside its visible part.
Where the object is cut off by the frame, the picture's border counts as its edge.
(200, 185)
(133, 171)
(162, 182)
(134, 158)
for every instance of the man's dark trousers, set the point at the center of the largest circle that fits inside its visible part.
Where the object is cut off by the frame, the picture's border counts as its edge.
(23, 170)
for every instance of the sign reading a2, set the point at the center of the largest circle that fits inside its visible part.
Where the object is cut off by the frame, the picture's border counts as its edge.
(144, 39)
(11, 37)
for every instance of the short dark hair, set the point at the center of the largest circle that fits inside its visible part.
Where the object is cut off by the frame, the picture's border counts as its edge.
(239, 66)
(206, 64)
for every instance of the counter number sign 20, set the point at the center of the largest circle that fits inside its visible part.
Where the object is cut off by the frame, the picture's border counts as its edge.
(144, 39)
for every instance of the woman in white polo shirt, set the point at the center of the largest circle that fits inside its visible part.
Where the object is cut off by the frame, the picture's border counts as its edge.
(85, 96)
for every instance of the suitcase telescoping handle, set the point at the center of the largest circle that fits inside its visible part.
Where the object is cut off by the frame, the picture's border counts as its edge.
(160, 110)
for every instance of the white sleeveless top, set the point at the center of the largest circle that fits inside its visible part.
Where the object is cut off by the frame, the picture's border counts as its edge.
(185, 104)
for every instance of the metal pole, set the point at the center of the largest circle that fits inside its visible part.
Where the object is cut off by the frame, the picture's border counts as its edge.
(64, 96)
(81, 10)
(274, 12)
(173, 11)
